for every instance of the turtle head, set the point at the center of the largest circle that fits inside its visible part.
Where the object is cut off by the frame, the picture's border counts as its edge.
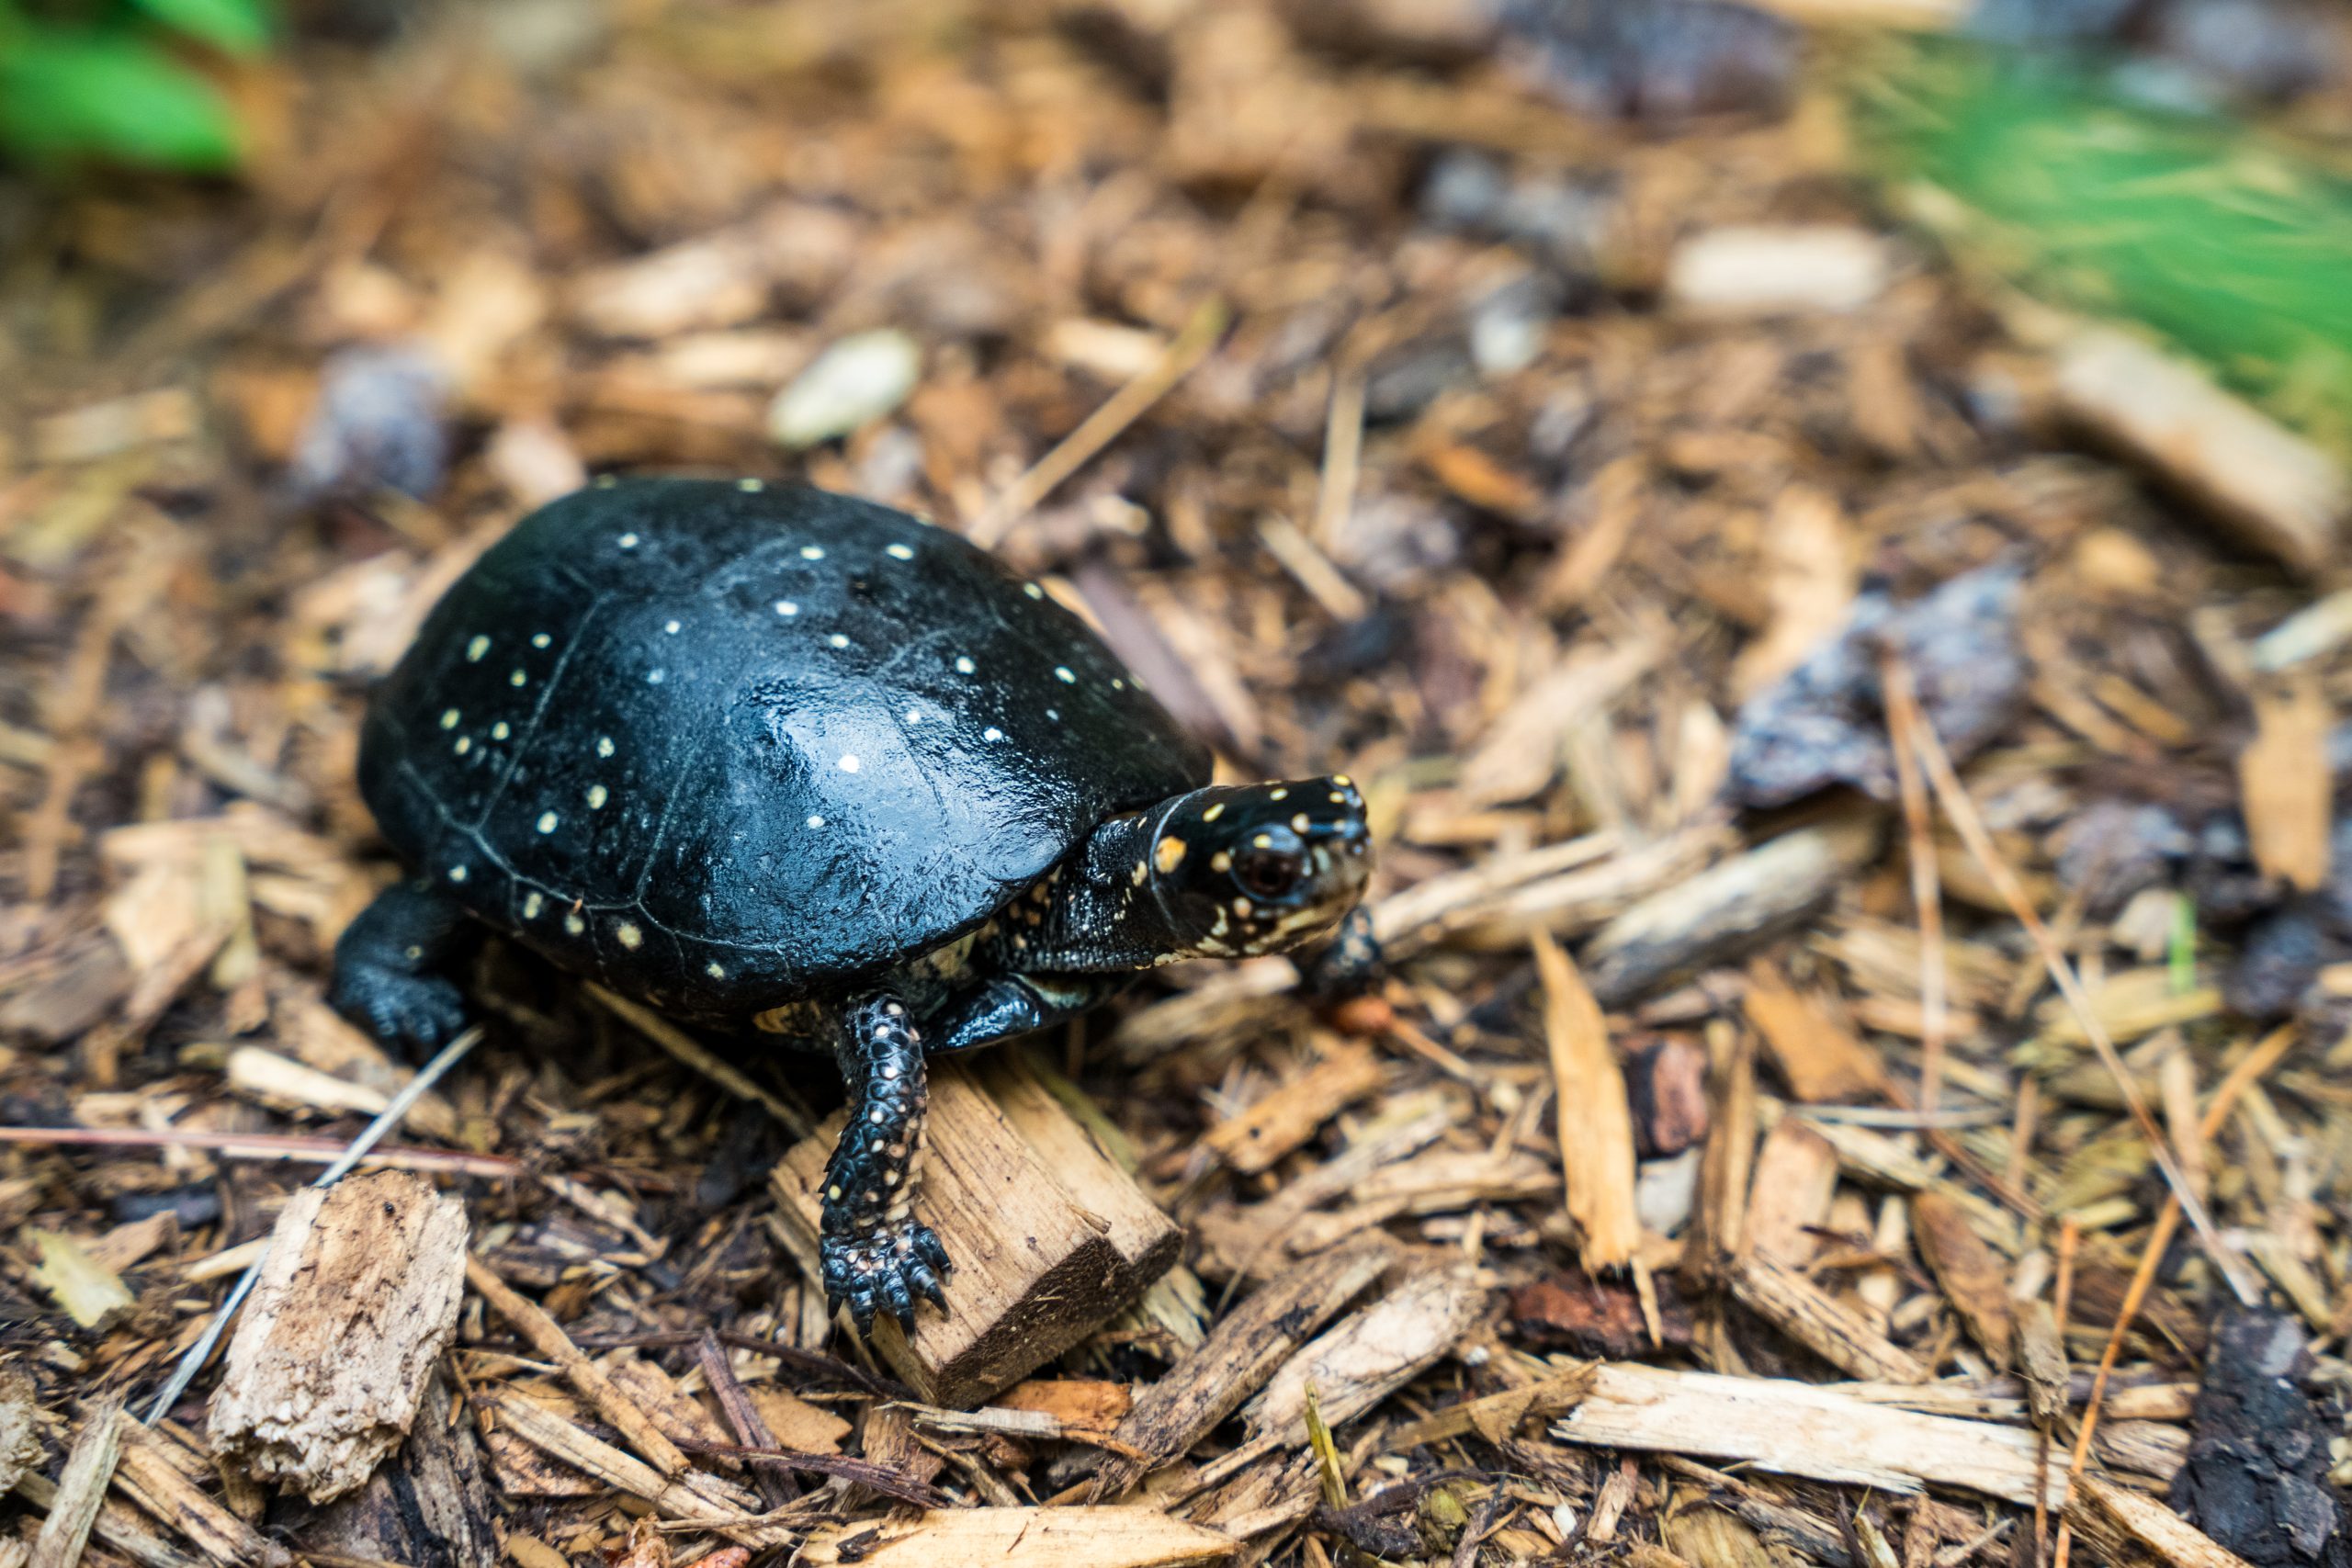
(1260, 868)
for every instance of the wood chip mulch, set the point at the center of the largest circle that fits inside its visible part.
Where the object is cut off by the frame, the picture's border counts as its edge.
(1863, 1078)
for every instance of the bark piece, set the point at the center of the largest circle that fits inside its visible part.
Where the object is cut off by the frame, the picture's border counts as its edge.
(1240, 1353)
(357, 1301)
(2255, 1478)
(1715, 916)
(1969, 1271)
(20, 1446)
(1596, 1124)
(1048, 1235)
(1666, 1086)
(1573, 1311)
(1802, 1429)
(1020, 1537)
(430, 1507)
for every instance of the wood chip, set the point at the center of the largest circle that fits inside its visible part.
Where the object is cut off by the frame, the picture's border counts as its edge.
(1806, 1313)
(1020, 1537)
(1596, 1125)
(2277, 491)
(92, 1294)
(1788, 1198)
(81, 1488)
(1822, 1063)
(2284, 782)
(1800, 1429)
(1368, 1355)
(1286, 1117)
(1972, 1276)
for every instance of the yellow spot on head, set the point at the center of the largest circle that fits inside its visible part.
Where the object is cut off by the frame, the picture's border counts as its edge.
(1343, 781)
(1221, 860)
(1279, 794)
(1263, 842)
(1299, 823)
(1168, 854)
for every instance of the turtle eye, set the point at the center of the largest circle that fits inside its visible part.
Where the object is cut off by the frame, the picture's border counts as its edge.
(1266, 874)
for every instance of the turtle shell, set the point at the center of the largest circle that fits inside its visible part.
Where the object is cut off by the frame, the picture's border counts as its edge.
(725, 744)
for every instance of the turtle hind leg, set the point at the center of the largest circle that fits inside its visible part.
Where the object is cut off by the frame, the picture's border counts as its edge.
(387, 963)
(874, 1254)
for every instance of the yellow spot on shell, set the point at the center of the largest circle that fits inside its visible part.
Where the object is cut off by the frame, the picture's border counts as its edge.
(476, 649)
(627, 935)
(1214, 812)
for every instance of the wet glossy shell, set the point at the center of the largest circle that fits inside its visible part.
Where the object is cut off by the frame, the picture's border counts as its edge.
(723, 744)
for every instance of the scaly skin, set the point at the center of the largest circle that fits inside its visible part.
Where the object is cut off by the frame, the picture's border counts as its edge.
(874, 1254)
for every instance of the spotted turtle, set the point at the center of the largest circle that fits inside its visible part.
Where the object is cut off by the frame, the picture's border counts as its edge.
(756, 754)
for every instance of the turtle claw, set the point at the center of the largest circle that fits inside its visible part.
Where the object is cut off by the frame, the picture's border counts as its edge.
(885, 1270)
(419, 1012)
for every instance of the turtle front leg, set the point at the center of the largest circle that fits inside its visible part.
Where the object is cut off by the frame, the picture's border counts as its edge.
(387, 963)
(874, 1254)
(1348, 966)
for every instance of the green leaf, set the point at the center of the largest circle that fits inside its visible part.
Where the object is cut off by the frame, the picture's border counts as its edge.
(235, 27)
(70, 94)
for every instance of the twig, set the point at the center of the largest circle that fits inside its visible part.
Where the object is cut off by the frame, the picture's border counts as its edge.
(402, 1103)
(284, 1147)
(1102, 426)
(742, 1417)
(1342, 451)
(1971, 827)
(1904, 721)
(864, 1473)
